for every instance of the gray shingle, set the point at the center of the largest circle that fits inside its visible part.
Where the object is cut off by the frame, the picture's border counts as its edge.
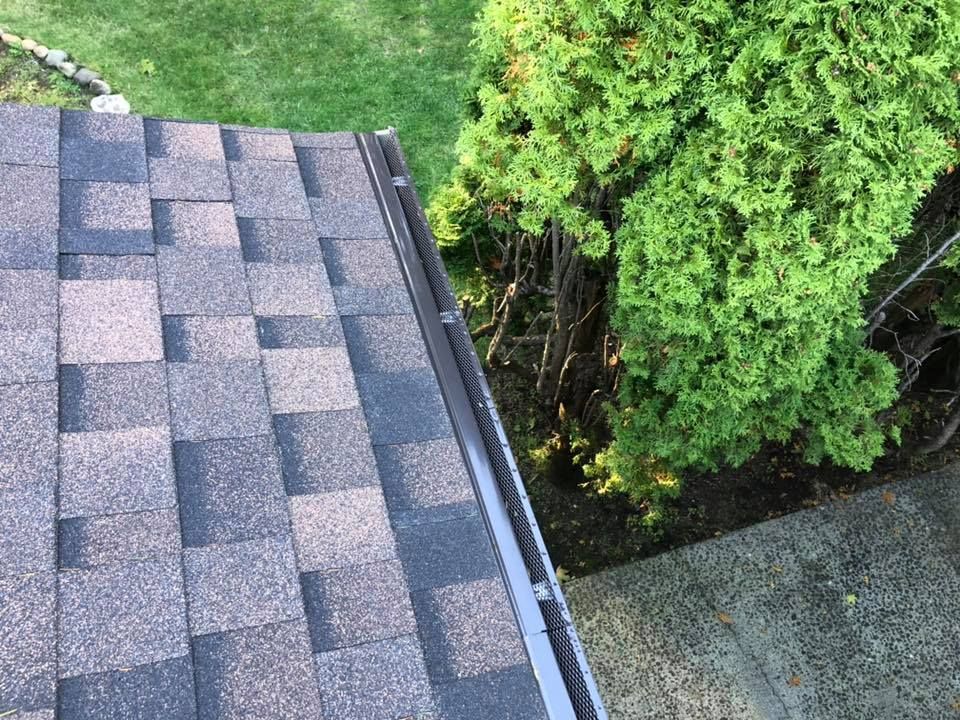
(112, 397)
(241, 585)
(510, 694)
(29, 249)
(346, 527)
(116, 471)
(105, 217)
(31, 135)
(299, 332)
(357, 604)
(183, 140)
(290, 290)
(324, 140)
(192, 179)
(28, 436)
(230, 490)
(28, 626)
(29, 198)
(202, 281)
(102, 127)
(195, 224)
(334, 174)
(325, 451)
(445, 553)
(467, 629)
(359, 219)
(362, 263)
(27, 530)
(217, 400)
(88, 159)
(372, 301)
(28, 326)
(384, 679)
(425, 482)
(108, 267)
(198, 338)
(309, 380)
(109, 321)
(263, 672)
(268, 189)
(403, 407)
(279, 241)
(260, 130)
(117, 616)
(243, 145)
(385, 343)
(157, 690)
(88, 542)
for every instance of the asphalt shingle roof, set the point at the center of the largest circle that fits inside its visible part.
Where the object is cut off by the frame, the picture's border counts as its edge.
(229, 485)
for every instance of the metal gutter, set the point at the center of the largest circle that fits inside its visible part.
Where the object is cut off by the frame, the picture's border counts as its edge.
(566, 683)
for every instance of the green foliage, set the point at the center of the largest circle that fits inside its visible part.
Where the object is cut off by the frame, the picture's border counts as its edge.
(749, 166)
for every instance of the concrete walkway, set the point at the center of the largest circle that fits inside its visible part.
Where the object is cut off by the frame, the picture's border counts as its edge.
(850, 611)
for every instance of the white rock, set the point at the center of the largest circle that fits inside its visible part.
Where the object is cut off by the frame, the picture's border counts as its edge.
(41, 51)
(67, 68)
(110, 104)
(28, 45)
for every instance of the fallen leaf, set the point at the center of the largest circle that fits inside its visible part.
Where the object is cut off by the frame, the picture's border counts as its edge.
(562, 575)
(725, 618)
(778, 568)
(794, 681)
(851, 599)
(888, 497)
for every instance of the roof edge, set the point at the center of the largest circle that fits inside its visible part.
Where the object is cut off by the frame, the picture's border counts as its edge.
(559, 663)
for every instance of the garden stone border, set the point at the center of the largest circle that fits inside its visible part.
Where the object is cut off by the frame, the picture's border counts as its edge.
(91, 81)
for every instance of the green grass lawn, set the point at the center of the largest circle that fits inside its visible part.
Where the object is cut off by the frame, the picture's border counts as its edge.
(23, 80)
(298, 64)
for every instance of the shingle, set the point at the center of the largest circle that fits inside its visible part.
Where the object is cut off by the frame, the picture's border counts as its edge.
(88, 542)
(241, 585)
(88, 159)
(28, 436)
(158, 690)
(31, 135)
(358, 219)
(334, 174)
(117, 616)
(108, 267)
(357, 604)
(109, 321)
(29, 198)
(467, 629)
(309, 380)
(403, 407)
(28, 326)
(385, 343)
(324, 140)
(29, 249)
(299, 332)
(263, 672)
(290, 290)
(268, 189)
(202, 281)
(510, 694)
(105, 217)
(346, 527)
(372, 301)
(195, 224)
(198, 338)
(217, 400)
(425, 482)
(27, 530)
(112, 397)
(28, 626)
(116, 471)
(384, 679)
(444, 553)
(102, 127)
(325, 451)
(191, 179)
(230, 490)
(184, 140)
(249, 129)
(243, 145)
(362, 263)
(279, 241)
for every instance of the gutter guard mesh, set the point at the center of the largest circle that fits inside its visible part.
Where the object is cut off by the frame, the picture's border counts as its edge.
(563, 638)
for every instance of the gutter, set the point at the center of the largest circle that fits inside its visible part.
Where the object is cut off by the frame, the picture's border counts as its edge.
(566, 684)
